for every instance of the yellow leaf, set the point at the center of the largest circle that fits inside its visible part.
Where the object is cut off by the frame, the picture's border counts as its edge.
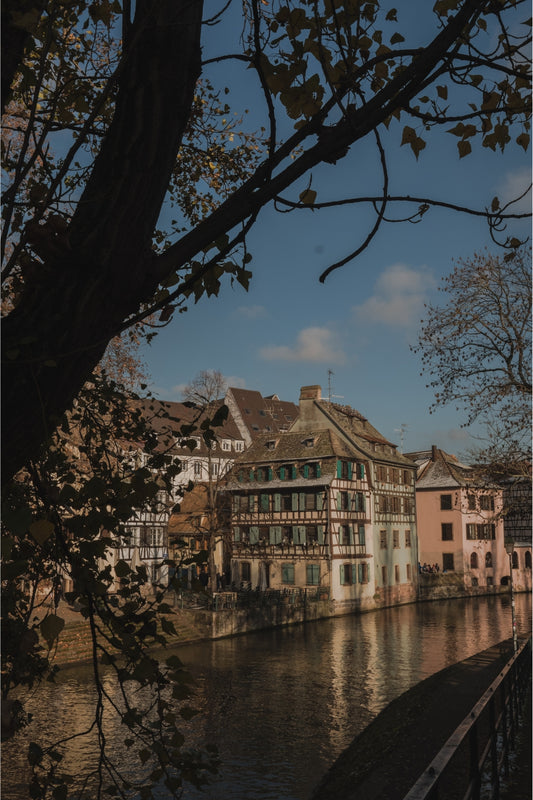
(308, 197)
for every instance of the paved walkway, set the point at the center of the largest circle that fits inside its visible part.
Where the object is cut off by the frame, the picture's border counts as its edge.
(386, 759)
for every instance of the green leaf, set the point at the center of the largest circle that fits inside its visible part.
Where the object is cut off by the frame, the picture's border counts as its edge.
(51, 626)
(41, 530)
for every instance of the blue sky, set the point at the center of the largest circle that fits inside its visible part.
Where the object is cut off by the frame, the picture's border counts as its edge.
(288, 330)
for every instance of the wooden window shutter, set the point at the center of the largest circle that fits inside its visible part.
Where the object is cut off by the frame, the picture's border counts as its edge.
(318, 471)
(265, 504)
(361, 534)
(294, 501)
(362, 471)
(350, 534)
(282, 471)
(361, 573)
(275, 534)
(269, 474)
(354, 573)
(293, 472)
(339, 468)
(320, 534)
(254, 534)
(251, 474)
(302, 501)
(277, 502)
(236, 534)
(319, 501)
(349, 470)
(339, 501)
(343, 574)
(306, 470)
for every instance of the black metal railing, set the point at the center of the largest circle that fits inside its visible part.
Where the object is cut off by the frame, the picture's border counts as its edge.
(251, 598)
(476, 756)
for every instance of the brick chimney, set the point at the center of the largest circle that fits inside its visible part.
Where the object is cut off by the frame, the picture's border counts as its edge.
(310, 393)
(434, 452)
(310, 416)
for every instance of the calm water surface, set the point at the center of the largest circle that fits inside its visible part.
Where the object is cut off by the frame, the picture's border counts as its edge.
(282, 705)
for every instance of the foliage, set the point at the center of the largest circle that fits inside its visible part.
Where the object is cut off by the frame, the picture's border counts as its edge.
(476, 347)
(64, 521)
(112, 111)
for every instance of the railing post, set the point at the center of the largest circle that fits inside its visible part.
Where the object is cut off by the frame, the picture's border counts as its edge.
(504, 732)
(475, 777)
(495, 772)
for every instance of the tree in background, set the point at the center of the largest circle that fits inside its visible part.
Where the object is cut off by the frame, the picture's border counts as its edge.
(206, 392)
(111, 113)
(476, 348)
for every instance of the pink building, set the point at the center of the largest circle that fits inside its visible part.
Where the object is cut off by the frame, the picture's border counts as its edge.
(460, 526)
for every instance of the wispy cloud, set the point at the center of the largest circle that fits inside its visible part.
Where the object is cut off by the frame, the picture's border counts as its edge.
(399, 296)
(251, 312)
(312, 344)
(236, 382)
(515, 184)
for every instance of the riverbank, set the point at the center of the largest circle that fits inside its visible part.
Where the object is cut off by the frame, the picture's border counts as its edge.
(386, 759)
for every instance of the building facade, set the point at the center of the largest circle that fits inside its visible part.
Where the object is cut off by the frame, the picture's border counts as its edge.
(327, 505)
(461, 524)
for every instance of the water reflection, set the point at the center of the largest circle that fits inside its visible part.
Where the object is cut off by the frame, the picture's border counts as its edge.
(282, 704)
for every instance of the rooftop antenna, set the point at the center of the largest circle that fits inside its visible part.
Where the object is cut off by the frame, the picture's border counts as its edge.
(339, 396)
(401, 430)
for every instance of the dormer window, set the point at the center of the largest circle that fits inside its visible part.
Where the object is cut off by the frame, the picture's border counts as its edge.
(309, 442)
(271, 444)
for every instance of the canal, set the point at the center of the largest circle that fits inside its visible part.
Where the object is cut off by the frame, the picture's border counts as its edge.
(281, 705)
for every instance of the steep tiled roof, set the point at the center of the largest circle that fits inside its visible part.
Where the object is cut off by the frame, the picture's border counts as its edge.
(440, 470)
(263, 414)
(167, 418)
(362, 432)
(307, 445)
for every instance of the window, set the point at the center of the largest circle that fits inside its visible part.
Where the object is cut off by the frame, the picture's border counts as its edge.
(343, 503)
(447, 562)
(344, 470)
(383, 539)
(395, 504)
(286, 502)
(310, 501)
(226, 444)
(384, 575)
(488, 559)
(471, 502)
(395, 475)
(214, 469)
(287, 573)
(471, 531)
(271, 445)
(361, 535)
(397, 573)
(396, 538)
(246, 571)
(475, 582)
(474, 561)
(262, 413)
(515, 559)
(239, 446)
(363, 573)
(408, 538)
(528, 559)
(445, 502)
(345, 537)
(407, 476)
(446, 531)
(490, 580)
(265, 502)
(197, 468)
(313, 574)
(312, 534)
(348, 574)
(486, 502)
(408, 571)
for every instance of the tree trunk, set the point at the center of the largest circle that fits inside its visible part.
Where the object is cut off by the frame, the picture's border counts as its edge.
(89, 284)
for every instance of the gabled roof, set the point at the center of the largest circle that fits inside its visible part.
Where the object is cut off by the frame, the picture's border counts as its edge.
(301, 445)
(362, 433)
(260, 414)
(440, 470)
(171, 421)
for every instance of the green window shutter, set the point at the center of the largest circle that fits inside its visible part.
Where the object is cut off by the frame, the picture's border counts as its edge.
(349, 470)
(349, 504)
(235, 503)
(269, 474)
(251, 474)
(362, 503)
(282, 472)
(318, 471)
(295, 534)
(343, 574)
(362, 471)
(240, 476)
(275, 534)
(294, 501)
(361, 573)
(254, 534)
(350, 534)
(339, 468)
(302, 501)
(293, 472)
(236, 534)
(277, 502)
(287, 573)
(251, 502)
(320, 534)
(361, 534)
(354, 573)
(338, 501)
(306, 470)
(303, 534)
(313, 574)
(319, 501)
(265, 502)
